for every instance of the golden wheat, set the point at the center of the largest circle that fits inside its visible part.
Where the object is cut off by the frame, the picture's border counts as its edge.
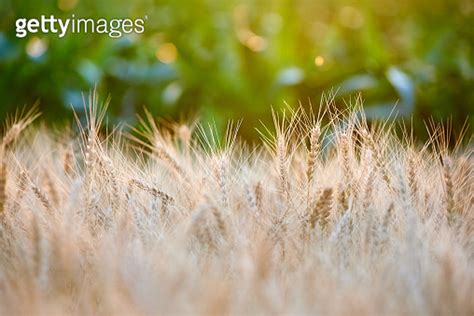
(164, 221)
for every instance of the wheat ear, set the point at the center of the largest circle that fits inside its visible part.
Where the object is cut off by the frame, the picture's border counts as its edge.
(41, 196)
(258, 195)
(322, 209)
(412, 181)
(312, 157)
(378, 157)
(449, 190)
(282, 171)
(162, 154)
(164, 197)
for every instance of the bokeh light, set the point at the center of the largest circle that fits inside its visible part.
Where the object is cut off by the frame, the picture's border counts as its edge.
(256, 43)
(319, 61)
(36, 47)
(167, 53)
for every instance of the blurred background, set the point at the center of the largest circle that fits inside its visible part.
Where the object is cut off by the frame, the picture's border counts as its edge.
(221, 59)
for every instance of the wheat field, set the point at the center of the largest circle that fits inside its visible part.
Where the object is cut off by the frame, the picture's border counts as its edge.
(328, 215)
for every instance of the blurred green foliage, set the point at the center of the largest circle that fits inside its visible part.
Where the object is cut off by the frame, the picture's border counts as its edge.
(225, 59)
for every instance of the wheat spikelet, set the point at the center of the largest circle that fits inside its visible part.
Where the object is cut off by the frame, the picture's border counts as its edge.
(258, 195)
(322, 209)
(282, 166)
(311, 160)
(115, 189)
(344, 185)
(108, 174)
(22, 181)
(221, 176)
(449, 190)
(19, 123)
(162, 154)
(165, 198)
(313, 153)
(344, 146)
(412, 181)
(41, 196)
(325, 206)
(378, 158)
(342, 200)
(369, 189)
(12, 134)
(90, 152)
(89, 163)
